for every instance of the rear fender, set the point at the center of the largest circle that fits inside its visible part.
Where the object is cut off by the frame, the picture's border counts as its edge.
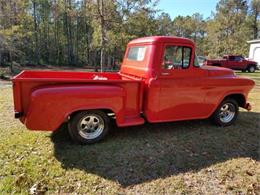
(50, 106)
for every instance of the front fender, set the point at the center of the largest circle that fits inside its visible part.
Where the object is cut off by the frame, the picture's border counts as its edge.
(236, 86)
(51, 105)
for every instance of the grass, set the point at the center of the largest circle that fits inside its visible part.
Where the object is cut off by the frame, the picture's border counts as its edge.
(191, 157)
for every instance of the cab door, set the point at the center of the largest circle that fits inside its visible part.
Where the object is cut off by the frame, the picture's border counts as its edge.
(236, 62)
(182, 89)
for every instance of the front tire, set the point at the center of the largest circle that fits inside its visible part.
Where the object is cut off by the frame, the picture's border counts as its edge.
(88, 127)
(226, 113)
(251, 69)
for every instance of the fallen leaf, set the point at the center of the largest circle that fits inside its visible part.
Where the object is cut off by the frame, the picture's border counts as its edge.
(249, 173)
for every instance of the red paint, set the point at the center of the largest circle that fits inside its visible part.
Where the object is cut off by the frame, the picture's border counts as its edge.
(141, 90)
(235, 62)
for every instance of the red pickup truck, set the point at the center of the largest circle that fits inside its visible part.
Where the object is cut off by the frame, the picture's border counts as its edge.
(234, 62)
(159, 81)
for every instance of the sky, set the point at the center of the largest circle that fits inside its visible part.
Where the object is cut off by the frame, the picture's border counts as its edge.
(187, 7)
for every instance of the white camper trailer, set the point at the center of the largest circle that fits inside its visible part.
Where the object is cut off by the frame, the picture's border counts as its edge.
(254, 52)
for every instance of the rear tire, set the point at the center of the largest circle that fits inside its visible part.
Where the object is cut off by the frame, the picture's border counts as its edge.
(226, 113)
(251, 68)
(88, 127)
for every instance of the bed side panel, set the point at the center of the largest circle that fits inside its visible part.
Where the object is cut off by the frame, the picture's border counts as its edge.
(50, 106)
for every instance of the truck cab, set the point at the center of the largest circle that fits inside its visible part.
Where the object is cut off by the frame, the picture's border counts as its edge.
(159, 81)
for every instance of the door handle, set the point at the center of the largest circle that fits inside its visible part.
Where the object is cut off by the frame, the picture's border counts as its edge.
(165, 73)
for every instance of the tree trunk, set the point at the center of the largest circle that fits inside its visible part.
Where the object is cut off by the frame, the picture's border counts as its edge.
(56, 44)
(68, 27)
(36, 46)
(46, 41)
(100, 4)
(88, 49)
(77, 41)
(0, 58)
(255, 25)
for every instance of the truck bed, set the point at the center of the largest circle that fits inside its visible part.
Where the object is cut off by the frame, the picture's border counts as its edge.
(28, 81)
(66, 76)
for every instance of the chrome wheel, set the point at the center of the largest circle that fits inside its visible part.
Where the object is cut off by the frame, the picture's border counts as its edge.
(252, 69)
(88, 127)
(91, 126)
(227, 112)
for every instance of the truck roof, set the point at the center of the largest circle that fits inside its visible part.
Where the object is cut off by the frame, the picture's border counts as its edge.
(157, 39)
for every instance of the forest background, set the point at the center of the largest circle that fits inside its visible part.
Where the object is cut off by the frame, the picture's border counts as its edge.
(94, 32)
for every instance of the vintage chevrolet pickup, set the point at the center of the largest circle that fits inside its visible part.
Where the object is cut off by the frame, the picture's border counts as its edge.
(160, 80)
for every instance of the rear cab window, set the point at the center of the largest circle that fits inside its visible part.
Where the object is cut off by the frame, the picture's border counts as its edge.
(136, 53)
(137, 58)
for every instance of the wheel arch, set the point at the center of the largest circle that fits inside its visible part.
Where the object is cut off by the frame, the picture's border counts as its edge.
(251, 65)
(67, 117)
(105, 110)
(70, 115)
(240, 98)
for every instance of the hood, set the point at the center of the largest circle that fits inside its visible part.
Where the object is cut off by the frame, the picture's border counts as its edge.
(218, 71)
(252, 62)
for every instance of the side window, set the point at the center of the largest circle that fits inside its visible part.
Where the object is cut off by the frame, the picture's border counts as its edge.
(232, 58)
(186, 57)
(238, 58)
(176, 57)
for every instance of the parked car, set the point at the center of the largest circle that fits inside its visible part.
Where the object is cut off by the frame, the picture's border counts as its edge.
(159, 81)
(201, 60)
(235, 62)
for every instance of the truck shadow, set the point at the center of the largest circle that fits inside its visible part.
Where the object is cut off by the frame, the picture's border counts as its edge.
(135, 155)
